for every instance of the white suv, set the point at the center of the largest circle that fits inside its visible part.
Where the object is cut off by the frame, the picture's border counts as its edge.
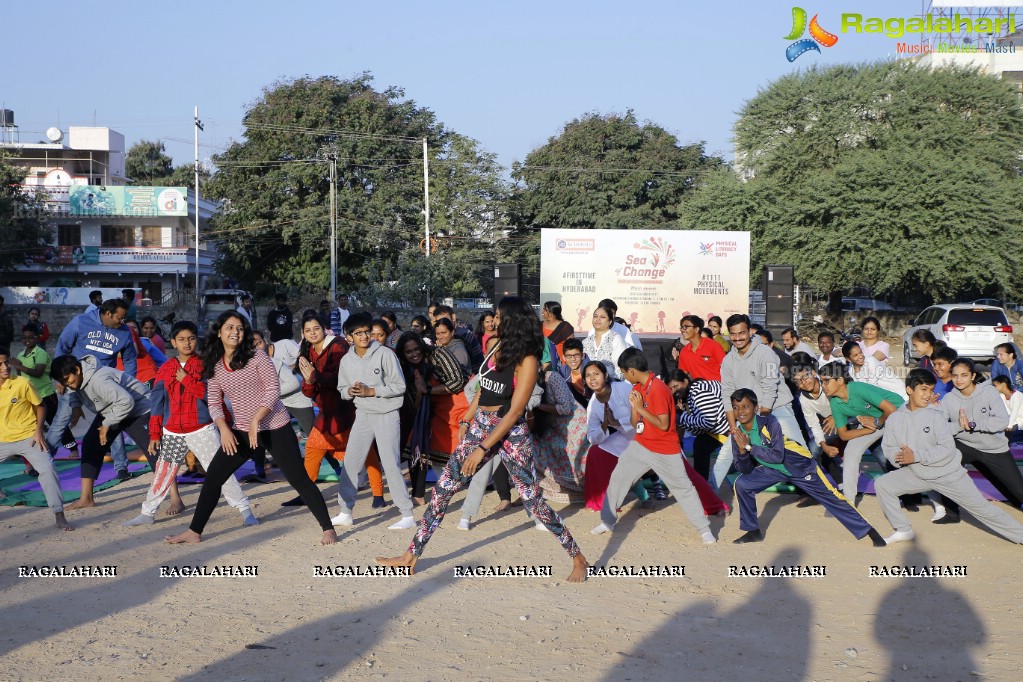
(972, 330)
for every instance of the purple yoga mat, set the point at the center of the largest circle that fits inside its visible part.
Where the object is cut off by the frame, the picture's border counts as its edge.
(71, 479)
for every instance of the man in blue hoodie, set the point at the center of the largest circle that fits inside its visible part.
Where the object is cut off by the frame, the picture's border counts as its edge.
(102, 334)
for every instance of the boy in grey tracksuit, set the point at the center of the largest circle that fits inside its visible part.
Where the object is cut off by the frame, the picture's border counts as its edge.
(371, 376)
(918, 441)
(121, 404)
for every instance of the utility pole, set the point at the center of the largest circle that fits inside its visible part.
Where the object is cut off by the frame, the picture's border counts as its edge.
(333, 228)
(426, 213)
(198, 296)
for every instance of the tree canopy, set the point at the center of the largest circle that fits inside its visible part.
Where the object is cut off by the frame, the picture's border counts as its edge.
(604, 171)
(23, 220)
(274, 226)
(891, 176)
(147, 163)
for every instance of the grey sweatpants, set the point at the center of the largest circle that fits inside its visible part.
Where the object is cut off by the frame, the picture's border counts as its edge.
(478, 488)
(851, 458)
(957, 486)
(384, 428)
(41, 462)
(635, 461)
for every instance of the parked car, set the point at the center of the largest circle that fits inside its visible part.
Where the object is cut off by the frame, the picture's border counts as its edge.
(972, 330)
(988, 301)
(216, 301)
(855, 304)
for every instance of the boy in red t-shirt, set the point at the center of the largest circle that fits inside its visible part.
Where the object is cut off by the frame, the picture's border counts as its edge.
(655, 446)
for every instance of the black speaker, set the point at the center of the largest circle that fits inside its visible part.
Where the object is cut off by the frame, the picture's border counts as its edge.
(507, 281)
(779, 292)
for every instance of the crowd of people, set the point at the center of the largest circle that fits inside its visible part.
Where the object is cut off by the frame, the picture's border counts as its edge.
(516, 400)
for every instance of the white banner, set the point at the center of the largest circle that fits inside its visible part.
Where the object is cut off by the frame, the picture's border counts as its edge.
(655, 276)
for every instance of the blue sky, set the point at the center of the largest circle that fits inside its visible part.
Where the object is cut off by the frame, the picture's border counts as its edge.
(507, 74)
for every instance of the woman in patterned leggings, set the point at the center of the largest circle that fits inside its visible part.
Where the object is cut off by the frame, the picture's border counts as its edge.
(495, 425)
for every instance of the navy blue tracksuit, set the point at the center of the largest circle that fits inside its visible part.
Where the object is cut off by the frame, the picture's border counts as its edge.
(776, 459)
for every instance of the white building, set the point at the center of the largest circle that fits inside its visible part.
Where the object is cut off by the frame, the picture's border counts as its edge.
(107, 232)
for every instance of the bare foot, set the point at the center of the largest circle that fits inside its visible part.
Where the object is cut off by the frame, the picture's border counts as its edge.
(407, 559)
(503, 505)
(62, 523)
(81, 503)
(187, 537)
(329, 537)
(175, 508)
(579, 565)
(419, 501)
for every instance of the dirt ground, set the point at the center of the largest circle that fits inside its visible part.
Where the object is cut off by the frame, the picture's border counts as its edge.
(286, 624)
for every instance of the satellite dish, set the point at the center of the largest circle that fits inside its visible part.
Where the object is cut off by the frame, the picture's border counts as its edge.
(54, 134)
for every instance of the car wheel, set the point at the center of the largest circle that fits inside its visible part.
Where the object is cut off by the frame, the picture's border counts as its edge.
(907, 359)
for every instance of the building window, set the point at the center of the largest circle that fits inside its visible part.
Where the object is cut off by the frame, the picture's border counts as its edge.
(152, 237)
(117, 236)
(69, 235)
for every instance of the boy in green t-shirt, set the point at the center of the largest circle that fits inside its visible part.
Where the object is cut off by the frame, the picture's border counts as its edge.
(859, 402)
(34, 364)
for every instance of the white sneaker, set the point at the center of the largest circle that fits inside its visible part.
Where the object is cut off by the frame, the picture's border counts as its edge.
(939, 512)
(600, 529)
(406, 523)
(708, 538)
(900, 536)
(343, 519)
(463, 524)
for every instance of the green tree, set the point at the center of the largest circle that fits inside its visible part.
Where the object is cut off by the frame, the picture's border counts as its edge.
(890, 176)
(23, 220)
(275, 185)
(603, 171)
(146, 162)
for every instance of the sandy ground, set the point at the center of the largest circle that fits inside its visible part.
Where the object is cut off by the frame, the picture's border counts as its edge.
(286, 624)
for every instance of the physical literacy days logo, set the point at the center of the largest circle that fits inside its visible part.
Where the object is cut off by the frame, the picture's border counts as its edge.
(803, 45)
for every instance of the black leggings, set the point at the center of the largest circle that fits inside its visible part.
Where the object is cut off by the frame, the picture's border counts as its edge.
(502, 483)
(92, 451)
(284, 445)
(417, 474)
(703, 448)
(997, 467)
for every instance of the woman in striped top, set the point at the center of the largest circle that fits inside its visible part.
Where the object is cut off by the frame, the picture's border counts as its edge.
(236, 371)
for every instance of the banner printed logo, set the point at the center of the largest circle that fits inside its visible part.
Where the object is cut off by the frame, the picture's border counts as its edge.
(818, 35)
(661, 251)
(707, 249)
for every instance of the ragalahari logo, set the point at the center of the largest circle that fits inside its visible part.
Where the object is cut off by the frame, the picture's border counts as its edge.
(818, 35)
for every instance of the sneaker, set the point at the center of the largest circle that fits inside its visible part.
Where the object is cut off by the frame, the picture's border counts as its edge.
(406, 523)
(123, 475)
(379, 501)
(600, 529)
(948, 518)
(463, 524)
(900, 536)
(708, 538)
(343, 519)
(749, 536)
(659, 493)
(294, 502)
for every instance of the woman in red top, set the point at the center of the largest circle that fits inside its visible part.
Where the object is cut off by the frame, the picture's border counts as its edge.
(318, 361)
(237, 372)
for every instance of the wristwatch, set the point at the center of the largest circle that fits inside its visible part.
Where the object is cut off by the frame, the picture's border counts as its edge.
(749, 447)
(877, 422)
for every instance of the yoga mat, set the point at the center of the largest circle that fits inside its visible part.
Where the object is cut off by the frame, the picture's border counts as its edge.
(25, 489)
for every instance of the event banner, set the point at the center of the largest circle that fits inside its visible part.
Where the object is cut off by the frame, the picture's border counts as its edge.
(140, 201)
(655, 276)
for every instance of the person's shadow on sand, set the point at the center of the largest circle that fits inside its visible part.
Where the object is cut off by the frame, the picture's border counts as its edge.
(763, 639)
(921, 647)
